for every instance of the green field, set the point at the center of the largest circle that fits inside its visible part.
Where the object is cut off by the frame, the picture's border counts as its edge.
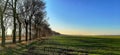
(74, 45)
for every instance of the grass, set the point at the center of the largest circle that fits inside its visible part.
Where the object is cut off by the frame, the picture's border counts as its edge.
(74, 45)
(103, 45)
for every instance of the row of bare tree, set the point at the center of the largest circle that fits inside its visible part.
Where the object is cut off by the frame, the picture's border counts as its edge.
(25, 16)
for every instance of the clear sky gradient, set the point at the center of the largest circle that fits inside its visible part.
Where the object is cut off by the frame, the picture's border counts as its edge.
(84, 17)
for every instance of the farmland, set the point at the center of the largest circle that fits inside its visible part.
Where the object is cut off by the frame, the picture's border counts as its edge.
(64, 45)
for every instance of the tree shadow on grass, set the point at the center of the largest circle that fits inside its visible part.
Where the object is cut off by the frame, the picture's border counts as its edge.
(20, 49)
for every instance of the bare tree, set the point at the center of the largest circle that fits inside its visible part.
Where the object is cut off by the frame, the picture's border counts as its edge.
(14, 2)
(2, 22)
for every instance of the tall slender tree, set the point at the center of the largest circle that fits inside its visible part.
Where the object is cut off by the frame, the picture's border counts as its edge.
(2, 22)
(14, 2)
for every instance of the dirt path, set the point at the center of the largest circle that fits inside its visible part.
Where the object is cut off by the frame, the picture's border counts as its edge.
(9, 39)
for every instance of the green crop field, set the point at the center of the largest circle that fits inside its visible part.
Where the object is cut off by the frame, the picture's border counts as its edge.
(70, 45)
(98, 45)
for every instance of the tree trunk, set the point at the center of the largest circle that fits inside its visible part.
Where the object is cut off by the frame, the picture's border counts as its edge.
(26, 32)
(3, 31)
(14, 31)
(36, 30)
(30, 30)
(14, 22)
(39, 33)
(30, 17)
(2, 23)
(20, 32)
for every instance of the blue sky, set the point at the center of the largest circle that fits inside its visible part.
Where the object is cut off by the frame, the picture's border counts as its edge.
(84, 17)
